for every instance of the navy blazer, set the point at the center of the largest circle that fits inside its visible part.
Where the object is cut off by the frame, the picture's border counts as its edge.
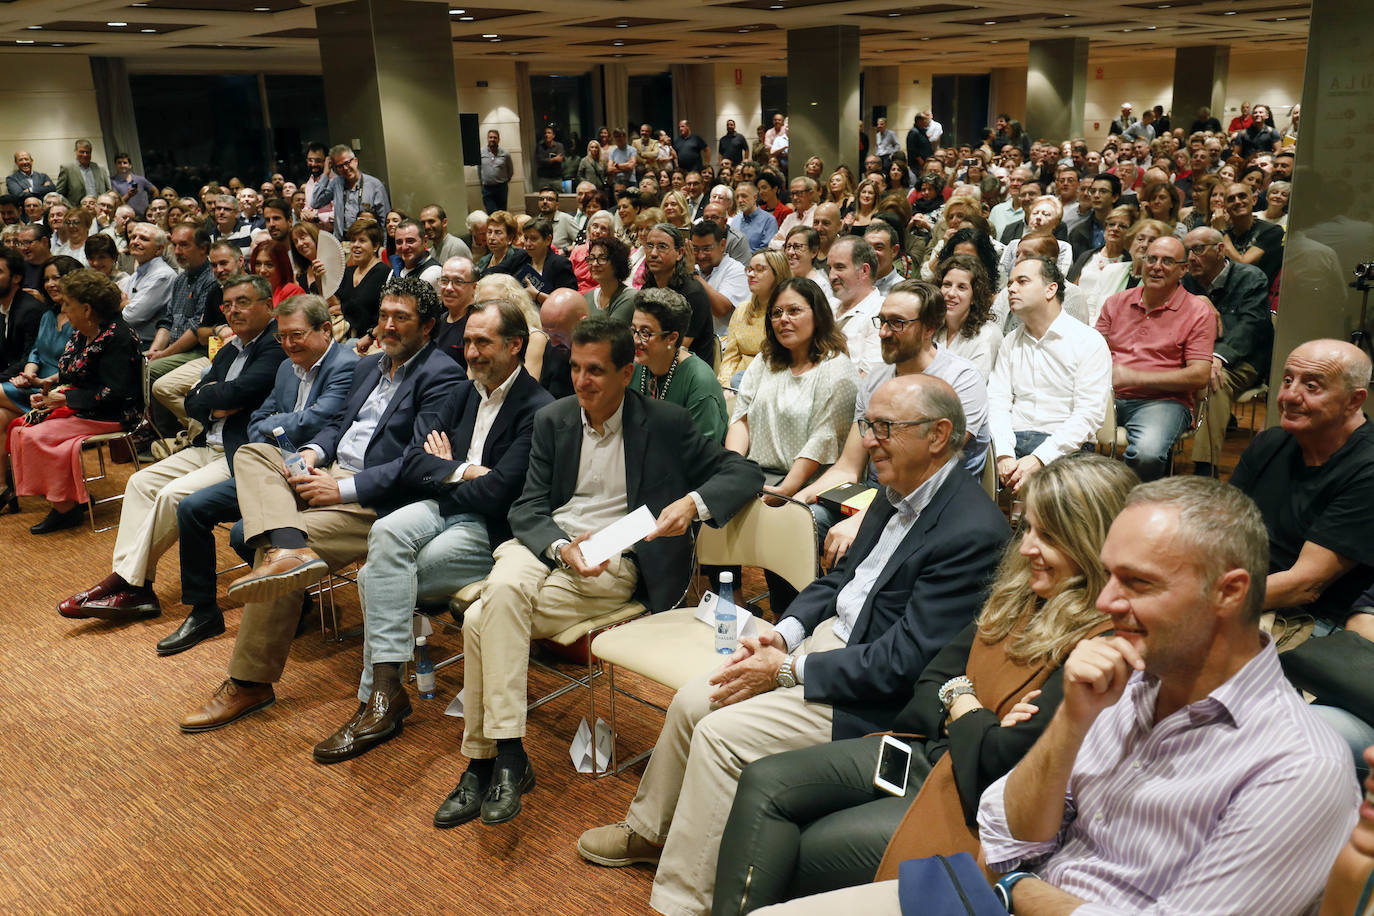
(506, 452)
(932, 587)
(246, 392)
(430, 379)
(1247, 329)
(20, 332)
(17, 184)
(325, 399)
(666, 457)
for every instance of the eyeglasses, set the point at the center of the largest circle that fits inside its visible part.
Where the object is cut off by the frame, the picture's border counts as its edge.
(882, 429)
(241, 303)
(644, 334)
(1199, 249)
(1156, 259)
(292, 337)
(898, 325)
(597, 259)
(658, 247)
(450, 281)
(793, 314)
(704, 249)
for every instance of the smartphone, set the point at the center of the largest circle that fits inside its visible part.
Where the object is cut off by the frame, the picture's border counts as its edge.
(894, 760)
(972, 161)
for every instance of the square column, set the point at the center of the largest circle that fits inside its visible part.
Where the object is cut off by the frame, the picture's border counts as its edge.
(390, 90)
(1200, 75)
(823, 96)
(1056, 87)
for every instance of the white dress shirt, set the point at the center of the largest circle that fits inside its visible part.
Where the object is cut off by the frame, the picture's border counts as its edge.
(214, 436)
(1058, 384)
(865, 347)
(487, 408)
(727, 278)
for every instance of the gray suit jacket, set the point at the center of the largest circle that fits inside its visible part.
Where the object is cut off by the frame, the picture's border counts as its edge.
(72, 186)
(666, 457)
(18, 183)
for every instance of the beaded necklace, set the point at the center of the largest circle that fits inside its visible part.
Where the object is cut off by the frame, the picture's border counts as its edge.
(651, 388)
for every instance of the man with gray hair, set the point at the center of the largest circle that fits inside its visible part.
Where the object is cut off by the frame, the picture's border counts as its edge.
(349, 189)
(150, 285)
(841, 662)
(226, 224)
(1240, 356)
(82, 177)
(467, 472)
(851, 267)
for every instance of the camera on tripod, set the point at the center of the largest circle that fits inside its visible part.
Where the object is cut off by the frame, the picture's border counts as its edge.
(1364, 276)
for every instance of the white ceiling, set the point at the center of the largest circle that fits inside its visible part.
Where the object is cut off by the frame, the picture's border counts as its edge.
(278, 35)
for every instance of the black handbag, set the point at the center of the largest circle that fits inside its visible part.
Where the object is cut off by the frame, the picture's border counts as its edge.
(1337, 669)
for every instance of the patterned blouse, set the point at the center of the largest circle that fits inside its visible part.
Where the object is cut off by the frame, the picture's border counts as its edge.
(104, 374)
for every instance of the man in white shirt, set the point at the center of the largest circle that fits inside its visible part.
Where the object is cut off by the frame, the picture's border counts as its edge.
(150, 285)
(852, 265)
(722, 278)
(416, 260)
(935, 131)
(803, 192)
(882, 235)
(1049, 387)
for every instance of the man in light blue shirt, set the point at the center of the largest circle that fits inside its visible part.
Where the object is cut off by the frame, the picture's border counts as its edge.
(757, 226)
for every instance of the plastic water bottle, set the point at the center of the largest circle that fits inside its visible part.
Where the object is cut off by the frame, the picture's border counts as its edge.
(424, 669)
(295, 464)
(726, 615)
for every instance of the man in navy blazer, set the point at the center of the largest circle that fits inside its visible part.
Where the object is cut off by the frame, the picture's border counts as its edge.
(593, 459)
(24, 181)
(235, 384)
(468, 469)
(352, 475)
(310, 387)
(841, 661)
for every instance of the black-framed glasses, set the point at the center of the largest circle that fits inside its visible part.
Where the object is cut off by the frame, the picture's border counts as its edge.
(292, 337)
(898, 325)
(882, 429)
(644, 334)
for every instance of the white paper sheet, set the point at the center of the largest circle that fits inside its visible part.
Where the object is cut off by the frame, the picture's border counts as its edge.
(746, 624)
(455, 706)
(618, 536)
(586, 758)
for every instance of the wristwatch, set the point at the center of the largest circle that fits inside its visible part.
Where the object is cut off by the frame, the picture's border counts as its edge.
(954, 687)
(785, 676)
(1003, 887)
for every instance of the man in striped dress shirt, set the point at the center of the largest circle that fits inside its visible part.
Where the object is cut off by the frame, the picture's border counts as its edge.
(1181, 773)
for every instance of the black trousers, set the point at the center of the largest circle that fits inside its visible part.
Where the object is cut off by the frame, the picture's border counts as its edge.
(808, 821)
(197, 516)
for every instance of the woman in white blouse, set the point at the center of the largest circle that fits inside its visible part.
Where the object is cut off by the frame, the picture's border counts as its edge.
(796, 400)
(969, 331)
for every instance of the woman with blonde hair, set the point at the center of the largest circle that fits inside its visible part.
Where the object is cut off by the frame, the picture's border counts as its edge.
(811, 820)
(865, 204)
(743, 341)
(675, 210)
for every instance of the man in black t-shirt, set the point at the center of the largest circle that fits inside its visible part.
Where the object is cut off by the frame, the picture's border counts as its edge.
(692, 151)
(1313, 479)
(1247, 238)
(548, 163)
(733, 145)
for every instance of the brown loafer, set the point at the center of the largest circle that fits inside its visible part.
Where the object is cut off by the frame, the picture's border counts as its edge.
(280, 572)
(381, 718)
(229, 704)
(71, 606)
(128, 604)
(335, 748)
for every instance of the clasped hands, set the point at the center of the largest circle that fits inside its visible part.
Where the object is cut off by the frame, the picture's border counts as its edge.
(750, 671)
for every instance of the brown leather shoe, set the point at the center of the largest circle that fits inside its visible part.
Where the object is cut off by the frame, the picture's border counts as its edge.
(229, 704)
(331, 749)
(382, 719)
(281, 571)
(127, 604)
(71, 606)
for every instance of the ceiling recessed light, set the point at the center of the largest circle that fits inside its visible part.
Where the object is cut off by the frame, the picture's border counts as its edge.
(116, 25)
(893, 15)
(1125, 30)
(776, 6)
(993, 42)
(262, 9)
(23, 41)
(618, 55)
(989, 22)
(925, 38)
(491, 35)
(618, 43)
(465, 18)
(456, 12)
(148, 31)
(1281, 19)
(622, 25)
(57, 44)
(1229, 13)
(35, 27)
(1151, 27)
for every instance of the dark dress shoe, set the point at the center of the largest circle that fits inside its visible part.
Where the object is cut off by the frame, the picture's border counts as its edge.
(126, 604)
(71, 605)
(502, 801)
(463, 804)
(330, 750)
(196, 628)
(58, 521)
(230, 703)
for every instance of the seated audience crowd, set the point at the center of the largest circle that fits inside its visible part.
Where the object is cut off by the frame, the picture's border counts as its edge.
(1093, 697)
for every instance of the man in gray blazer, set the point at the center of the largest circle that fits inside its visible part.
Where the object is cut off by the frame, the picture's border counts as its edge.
(77, 179)
(24, 180)
(594, 458)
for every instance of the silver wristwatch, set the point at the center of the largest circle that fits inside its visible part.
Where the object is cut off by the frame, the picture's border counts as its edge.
(785, 676)
(954, 687)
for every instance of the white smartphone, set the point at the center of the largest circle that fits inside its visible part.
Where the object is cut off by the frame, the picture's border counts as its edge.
(894, 759)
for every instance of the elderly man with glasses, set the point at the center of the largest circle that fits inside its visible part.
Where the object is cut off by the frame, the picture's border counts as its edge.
(839, 663)
(350, 190)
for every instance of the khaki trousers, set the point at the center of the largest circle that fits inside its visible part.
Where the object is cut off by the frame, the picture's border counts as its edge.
(878, 899)
(148, 514)
(171, 389)
(337, 533)
(684, 798)
(1210, 438)
(522, 599)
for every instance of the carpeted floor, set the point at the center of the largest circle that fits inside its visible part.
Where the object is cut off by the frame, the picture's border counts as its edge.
(109, 808)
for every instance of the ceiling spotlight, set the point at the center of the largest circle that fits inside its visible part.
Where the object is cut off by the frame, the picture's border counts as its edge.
(1125, 30)
(57, 44)
(1229, 13)
(466, 18)
(622, 25)
(23, 41)
(491, 35)
(893, 15)
(35, 27)
(262, 9)
(776, 6)
(148, 31)
(618, 43)
(456, 12)
(989, 22)
(994, 41)
(116, 25)
(1281, 19)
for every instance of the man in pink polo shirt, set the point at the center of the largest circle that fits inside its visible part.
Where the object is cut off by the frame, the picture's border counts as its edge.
(1161, 339)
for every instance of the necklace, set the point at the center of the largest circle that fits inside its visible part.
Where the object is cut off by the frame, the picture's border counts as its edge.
(651, 388)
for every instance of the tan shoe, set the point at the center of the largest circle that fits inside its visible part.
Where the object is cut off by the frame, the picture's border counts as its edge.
(229, 704)
(617, 845)
(281, 571)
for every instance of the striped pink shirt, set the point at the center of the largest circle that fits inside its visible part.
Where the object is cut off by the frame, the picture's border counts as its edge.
(1237, 803)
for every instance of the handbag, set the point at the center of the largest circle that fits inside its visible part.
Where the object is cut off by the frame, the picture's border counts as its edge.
(946, 886)
(1337, 669)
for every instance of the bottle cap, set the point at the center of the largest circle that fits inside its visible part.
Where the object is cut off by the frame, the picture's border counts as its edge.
(727, 577)
(421, 641)
(278, 430)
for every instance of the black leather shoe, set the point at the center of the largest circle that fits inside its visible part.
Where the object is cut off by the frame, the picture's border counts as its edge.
(502, 801)
(57, 521)
(463, 804)
(383, 717)
(327, 751)
(196, 628)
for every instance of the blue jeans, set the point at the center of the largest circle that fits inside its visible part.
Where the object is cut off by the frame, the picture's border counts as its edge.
(1028, 441)
(1152, 428)
(494, 197)
(1355, 731)
(413, 553)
